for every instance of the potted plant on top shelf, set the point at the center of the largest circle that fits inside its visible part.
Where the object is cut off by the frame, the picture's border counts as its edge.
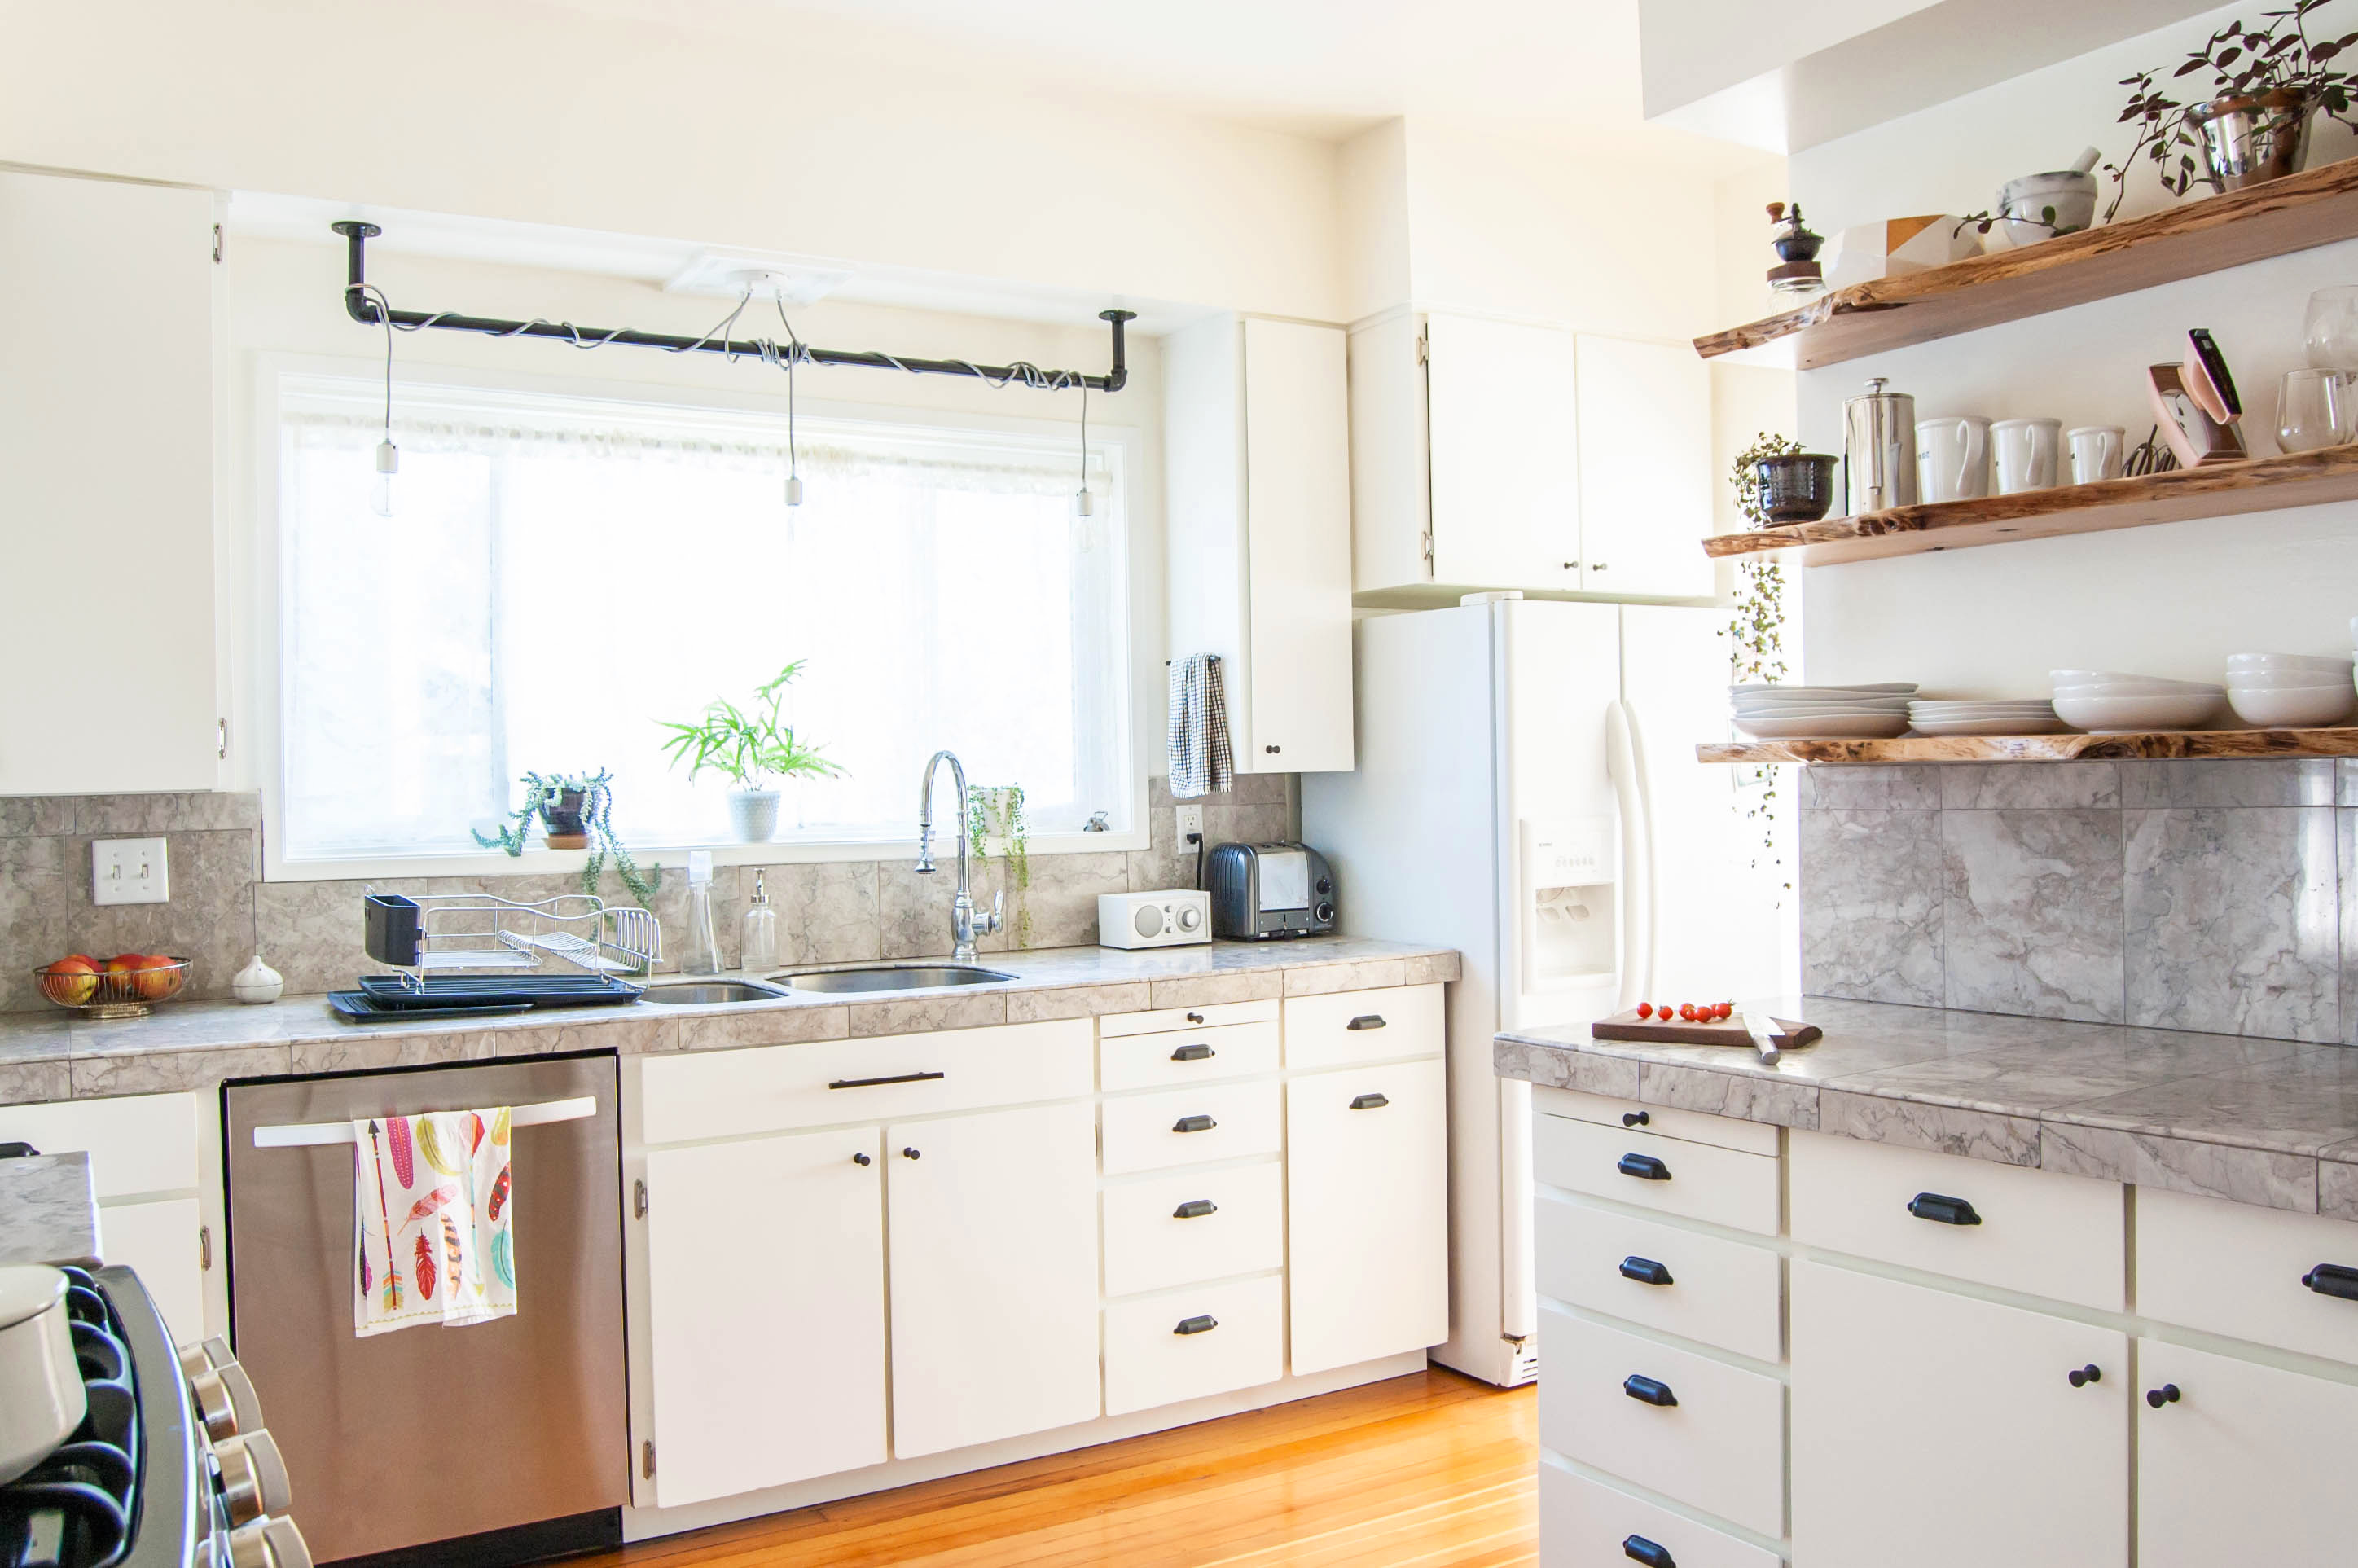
(2266, 83)
(755, 748)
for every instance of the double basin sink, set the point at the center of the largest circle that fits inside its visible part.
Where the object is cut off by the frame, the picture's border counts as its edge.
(869, 978)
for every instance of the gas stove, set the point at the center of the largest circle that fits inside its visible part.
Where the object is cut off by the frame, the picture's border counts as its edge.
(171, 1468)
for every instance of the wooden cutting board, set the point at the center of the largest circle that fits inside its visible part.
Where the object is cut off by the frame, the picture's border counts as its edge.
(1791, 1036)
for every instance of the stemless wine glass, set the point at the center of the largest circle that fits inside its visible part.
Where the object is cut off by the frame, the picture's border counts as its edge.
(2331, 331)
(2316, 408)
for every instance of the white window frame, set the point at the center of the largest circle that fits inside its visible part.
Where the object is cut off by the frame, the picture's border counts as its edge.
(264, 750)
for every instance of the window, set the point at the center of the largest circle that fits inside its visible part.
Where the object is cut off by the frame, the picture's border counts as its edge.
(562, 572)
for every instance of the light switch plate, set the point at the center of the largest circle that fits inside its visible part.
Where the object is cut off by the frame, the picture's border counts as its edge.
(129, 870)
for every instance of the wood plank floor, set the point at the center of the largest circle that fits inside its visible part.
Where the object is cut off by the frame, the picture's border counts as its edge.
(1432, 1470)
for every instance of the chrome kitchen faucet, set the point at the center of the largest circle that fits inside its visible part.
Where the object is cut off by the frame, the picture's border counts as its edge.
(966, 921)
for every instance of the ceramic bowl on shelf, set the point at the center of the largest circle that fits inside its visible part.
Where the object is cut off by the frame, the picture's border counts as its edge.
(2286, 680)
(2294, 707)
(2120, 683)
(2109, 714)
(2326, 664)
(1823, 727)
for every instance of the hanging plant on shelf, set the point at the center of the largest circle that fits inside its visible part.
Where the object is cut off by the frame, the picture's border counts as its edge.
(754, 749)
(1756, 631)
(576, 812)
(995, 824)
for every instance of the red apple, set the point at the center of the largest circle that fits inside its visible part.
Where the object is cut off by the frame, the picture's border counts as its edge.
(70, 981)
(156, 976)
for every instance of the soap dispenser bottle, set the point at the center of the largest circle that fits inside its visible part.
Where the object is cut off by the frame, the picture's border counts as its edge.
(701, 953)
(759, 936)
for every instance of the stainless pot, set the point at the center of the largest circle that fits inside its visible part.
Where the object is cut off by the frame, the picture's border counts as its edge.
(1880, 450)
(41, 1399)
(2252, 140)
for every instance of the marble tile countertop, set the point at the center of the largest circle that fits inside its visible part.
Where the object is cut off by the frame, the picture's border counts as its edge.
(48, 1210)
(2269, 1123)
(196, 1045)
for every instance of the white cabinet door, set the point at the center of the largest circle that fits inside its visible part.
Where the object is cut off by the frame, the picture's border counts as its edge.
(159, 1241)
(994, 1275)
(766, 1290)
(1503, 424)
(109, 466)
(1391, 491)
(1298, 548)
(1367, 1213)
(1645, 469)
(1943, 1431)
(2249, 1463)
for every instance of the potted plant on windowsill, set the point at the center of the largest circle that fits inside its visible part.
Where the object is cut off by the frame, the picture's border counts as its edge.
(576, 812)
(754, 749)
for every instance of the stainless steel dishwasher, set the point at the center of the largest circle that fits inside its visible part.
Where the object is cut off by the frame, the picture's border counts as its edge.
(401, 1439)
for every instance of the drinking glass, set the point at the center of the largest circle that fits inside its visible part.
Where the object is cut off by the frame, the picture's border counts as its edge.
(2332, 327)
(2316, 408)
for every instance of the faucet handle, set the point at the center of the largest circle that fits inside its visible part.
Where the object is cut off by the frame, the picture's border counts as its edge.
(996, 919)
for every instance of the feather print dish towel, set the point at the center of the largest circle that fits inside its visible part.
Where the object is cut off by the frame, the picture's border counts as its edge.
(434, 1216)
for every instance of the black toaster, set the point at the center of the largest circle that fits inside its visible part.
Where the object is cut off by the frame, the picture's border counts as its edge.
(1262, 891)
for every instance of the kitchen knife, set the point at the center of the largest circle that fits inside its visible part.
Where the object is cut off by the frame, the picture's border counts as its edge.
(1763, 1030)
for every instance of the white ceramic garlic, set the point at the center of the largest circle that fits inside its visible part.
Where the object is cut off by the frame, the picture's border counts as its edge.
(257, 983)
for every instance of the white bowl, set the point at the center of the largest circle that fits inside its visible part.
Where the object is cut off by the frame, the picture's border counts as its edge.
(2110, 715)
(1851, 727)
(2288, 680)
(2331, 664)
(2122, 680)
(2301, 707)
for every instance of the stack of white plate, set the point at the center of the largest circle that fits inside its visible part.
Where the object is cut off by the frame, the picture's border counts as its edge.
(2009, 716)
(2110, 702)
(2290, 691)
(1823, 712)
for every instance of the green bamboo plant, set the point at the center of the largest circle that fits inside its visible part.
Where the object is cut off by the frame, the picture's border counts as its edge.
(751, 747)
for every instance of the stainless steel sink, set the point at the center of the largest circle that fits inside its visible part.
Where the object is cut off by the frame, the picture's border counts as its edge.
(891, 978)
(701, 993)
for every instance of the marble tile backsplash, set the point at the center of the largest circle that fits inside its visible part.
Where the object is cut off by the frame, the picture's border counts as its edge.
(222, 911)
(2220, 896)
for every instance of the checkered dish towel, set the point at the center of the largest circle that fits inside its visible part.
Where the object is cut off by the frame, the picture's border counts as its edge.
(434, 1216)
(1201, 762)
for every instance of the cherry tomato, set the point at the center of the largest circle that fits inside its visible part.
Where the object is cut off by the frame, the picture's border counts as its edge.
(1723, 1008)
(1645, 1009)
(1687, 1011)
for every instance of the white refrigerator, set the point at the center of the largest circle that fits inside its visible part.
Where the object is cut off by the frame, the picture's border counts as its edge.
(1527, 792)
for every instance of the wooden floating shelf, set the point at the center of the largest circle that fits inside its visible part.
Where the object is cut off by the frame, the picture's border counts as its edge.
(2223, 489)
(2148, 743)
(2295, 213)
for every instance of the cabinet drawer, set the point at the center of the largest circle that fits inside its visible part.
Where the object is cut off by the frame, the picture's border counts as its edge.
(1187, 1056)
(1721, 1447)
(1693, 1126)
(1149, 1362)
(1150, 1246)
(1337, 1030)
(140, 1144)
(1586, 1524)
(1142, 1132)
(2239, 1270)
(726, 1094)
(1217, 1015)
(1631, 1165)
(1720, 1292)
(2036, 1231)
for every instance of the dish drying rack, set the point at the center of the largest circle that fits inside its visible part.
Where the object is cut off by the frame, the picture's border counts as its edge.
(425, 934)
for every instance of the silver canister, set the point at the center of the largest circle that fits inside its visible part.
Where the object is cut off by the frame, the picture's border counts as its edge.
(1880, 450)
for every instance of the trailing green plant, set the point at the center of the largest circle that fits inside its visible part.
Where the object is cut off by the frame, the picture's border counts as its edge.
(2277, 56)
(543, 791)
(749, 745)
(996, 812)
(1756, 629)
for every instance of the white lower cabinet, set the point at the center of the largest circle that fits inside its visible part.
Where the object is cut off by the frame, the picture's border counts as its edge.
(1196, 1340)
(1586, 1524)
(1945, 1431)
(2244, 1465)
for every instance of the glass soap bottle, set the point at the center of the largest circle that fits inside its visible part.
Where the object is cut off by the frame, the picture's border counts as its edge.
(701, 953)
(759, 936)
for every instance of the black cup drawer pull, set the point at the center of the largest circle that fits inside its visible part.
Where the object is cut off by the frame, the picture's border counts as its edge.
(1369, 1102)
(1199, 1052)
(1645, 1167)
(895, 1078)
(1194, 1124)
(2333, 1280)
(1650, 1552)
(1367, 1020)
(1197, 1326)
(1648, 1390)
(1942, 1210)
(1645, 1270)
(1196, 1208)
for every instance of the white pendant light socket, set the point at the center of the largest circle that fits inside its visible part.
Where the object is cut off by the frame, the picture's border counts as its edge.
(1084, 503)
(388, 464)
(793, 490)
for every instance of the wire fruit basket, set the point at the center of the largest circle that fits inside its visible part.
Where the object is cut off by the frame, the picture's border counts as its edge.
(126, 985)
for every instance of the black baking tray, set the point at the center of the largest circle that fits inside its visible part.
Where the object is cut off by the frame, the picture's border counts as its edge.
(399, 993)
(362, 1007)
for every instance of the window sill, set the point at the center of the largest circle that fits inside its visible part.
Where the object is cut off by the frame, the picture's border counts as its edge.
(548, 862)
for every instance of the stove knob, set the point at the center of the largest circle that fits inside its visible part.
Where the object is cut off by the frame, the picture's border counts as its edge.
(252, 1476)
(266, 1543)
(225, 1401)
(288, 1548)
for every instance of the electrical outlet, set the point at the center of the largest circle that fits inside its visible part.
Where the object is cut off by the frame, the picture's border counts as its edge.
(1191, 820)
(129, 870)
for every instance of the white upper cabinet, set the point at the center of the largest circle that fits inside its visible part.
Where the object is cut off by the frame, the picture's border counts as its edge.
(110, 485)
(1256, 427)
(1502, 410)
(1645, 469)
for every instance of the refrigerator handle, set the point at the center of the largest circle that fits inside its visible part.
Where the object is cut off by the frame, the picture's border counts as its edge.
(1625, 755)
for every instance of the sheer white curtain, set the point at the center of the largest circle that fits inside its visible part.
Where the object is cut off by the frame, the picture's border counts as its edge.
(561, 573)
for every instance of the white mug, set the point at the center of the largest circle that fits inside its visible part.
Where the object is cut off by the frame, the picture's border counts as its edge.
(2025, 450)
(1953, 458)
(2096, 452)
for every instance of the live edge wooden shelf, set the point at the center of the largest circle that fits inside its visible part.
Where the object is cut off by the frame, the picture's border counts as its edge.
(2151, 743)
(2295, 213)
(2223, 489)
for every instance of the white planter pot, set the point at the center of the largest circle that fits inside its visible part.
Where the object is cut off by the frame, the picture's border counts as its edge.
(754, 813)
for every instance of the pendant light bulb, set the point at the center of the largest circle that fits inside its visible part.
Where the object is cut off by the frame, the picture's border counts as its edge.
(1084, 505)
(793, 490)
(388, 464)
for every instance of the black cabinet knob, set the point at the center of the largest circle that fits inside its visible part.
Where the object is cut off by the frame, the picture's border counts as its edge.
(908, 1153)
(1194, 1124)
(1636, 1118)
(1942, 1210)
(1648, 1390)
(1271, 750)
(1194, 1209)
(1197, 1326)
(1199, 1052)
(2081, 1376)
(1194, 1017)
(1645, 1270)
(2333, 1280)
(2165, 1395)
(1645, 1167)
(861, 1160)
(1369, 1102)
(1652, 1554)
